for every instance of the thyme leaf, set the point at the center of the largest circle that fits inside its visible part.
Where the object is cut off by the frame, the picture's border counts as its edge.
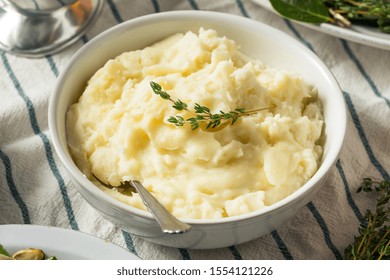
(373, 241)
(202, 113)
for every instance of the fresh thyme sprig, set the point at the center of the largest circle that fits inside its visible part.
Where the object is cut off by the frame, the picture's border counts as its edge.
(202, 113)
(373, 242)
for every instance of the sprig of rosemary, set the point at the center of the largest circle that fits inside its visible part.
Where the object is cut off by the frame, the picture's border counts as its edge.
(373, 241)
(202, 113)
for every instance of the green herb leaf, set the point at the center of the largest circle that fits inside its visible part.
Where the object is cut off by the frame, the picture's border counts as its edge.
(157, 89)
(373, 241)
(366, 12)
(179, 105)
(176, 120)
(202, 113)
(3, 251)
(201, 109)
(311, 11)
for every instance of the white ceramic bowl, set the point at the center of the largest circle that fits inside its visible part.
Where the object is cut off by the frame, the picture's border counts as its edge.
(257, 40)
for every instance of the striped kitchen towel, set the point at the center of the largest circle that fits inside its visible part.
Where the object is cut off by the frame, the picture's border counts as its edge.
(34, 188)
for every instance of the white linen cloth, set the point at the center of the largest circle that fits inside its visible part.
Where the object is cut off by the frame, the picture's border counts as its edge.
(34, 187)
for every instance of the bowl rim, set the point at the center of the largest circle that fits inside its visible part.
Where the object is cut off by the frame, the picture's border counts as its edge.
(281, 205)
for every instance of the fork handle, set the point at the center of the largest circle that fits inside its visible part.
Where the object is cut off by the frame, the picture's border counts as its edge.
(167, 222)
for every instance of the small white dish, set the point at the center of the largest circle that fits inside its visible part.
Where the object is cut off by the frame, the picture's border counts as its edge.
(356, 33)
(64, 244)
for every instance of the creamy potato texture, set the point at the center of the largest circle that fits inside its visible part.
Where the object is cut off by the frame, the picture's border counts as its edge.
(118, 129)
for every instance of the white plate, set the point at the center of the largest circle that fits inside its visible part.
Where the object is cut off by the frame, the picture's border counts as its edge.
(358, 34)
(65, 244)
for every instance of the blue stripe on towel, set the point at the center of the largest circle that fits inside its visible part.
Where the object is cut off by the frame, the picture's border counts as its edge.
(84, 38)
(115, 11)
(298, 35)
(193, 4)
(36, 5)
(45, 140)
(185, 254)
(363, 71)
(52, 65)
(129, 242)
(351, 202)
(156, 6)
(281, 245)
(12, 187)
(236, 254)
(241, 6)
(325, 230)
(367, 147)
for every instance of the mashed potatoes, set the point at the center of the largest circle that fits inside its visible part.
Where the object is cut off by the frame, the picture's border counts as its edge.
(119, 130)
